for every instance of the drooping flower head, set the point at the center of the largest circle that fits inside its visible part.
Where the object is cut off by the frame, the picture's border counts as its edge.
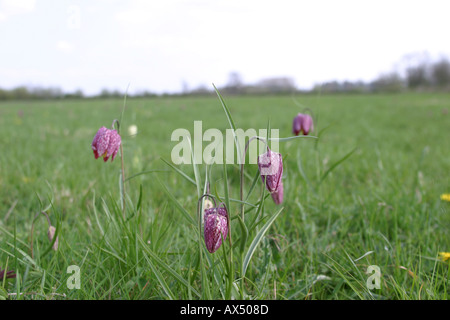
(106, 143)
(307, 124)
(215, 227)
(277, 196)
(270, 166)
(297, 124)
(302, 123)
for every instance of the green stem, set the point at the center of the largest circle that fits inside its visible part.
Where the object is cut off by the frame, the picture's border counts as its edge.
(205, 288)
(244, 231)
(123, 181)
(231, 270)
(115, 121)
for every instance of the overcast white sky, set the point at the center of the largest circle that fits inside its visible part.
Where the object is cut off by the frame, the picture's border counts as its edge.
(159, 45)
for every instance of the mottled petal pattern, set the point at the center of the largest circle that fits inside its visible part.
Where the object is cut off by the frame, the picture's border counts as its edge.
(277, 196)
(106, 143)
(219, 210)
(113, 145)
(270, 166)
(215, 228)
(99, 134)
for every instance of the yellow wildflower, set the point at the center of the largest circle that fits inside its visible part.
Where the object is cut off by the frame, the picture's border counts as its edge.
(444, 256)
(445, 196)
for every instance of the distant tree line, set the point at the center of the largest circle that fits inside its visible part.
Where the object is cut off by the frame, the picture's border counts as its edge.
(37, 93)
(423, 76)
(32, 93)
(420, 76)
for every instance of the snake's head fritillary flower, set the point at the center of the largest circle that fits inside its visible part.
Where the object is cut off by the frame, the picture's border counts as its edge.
(297, 124)
(106, 143)
(302, 123)
(7, 274)
(215, 227)
(270, 166)
(307, 124)
(277, 196)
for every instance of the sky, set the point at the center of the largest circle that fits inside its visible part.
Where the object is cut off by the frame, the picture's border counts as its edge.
(167, 45)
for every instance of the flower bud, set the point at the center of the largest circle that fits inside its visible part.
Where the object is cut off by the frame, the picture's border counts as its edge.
(51, 235)
(215, 227)
(132, 130)
(207, 204)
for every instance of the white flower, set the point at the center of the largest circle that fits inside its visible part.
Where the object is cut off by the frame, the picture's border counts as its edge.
(132, 130)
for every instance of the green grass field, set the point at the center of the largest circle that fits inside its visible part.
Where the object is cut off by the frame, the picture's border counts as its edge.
(380, 206)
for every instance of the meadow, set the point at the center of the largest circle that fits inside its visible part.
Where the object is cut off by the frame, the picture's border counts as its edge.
(365, 193)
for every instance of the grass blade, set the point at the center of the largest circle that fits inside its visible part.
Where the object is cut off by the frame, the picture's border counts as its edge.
(144, 172)
(184, 175)
(176, 203)
(230, 122)
(336, 164)
(167, 268)
(196, 171)
(161, 280)
(259, 236)
(290, 138)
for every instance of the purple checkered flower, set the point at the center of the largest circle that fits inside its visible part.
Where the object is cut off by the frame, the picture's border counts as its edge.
(215, 227)
(302, 123)
(307, 124)
(297, 124)
(270, 166)
(277, 196)
(106, 143)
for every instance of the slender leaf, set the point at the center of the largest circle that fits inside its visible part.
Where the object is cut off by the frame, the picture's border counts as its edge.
(166, 267)
(290, 138)
(161, 280)
(144, 172)
(230, 122)
(259, 236)
(184, 175)
(336, 164)
(196, 171)
(176, 203)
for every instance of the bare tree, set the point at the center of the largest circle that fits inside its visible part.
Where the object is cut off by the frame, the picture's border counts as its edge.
(281, 84)
(417, 76)
(390, 82)
(234, 84)
(440, 73)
